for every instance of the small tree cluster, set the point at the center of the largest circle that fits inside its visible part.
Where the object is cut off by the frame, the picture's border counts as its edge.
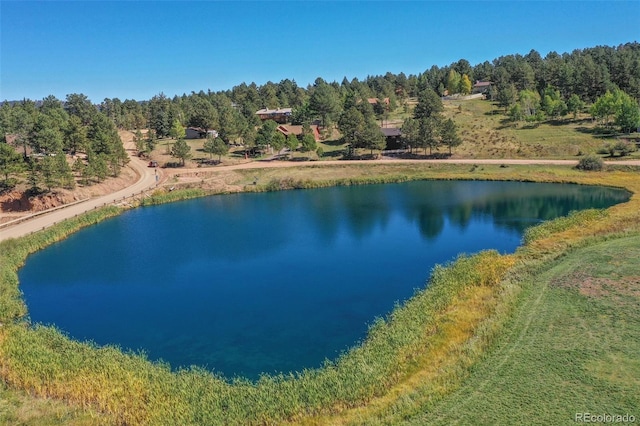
(617, 108)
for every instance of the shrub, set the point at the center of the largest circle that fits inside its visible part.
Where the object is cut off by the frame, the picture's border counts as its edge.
(624, 147)
(590, 163)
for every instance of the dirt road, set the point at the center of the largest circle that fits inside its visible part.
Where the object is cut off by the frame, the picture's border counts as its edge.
(148, 179)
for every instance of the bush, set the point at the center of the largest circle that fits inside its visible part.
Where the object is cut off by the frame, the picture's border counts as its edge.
(624, 147)
(590, 163)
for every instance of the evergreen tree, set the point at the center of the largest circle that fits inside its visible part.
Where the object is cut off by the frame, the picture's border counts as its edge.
(11, 162)
(428, 133)
(65, 175)
(49, 172)
(449, 134)
(429, 104)
(181, 150)
(75, 135)
(410, 133)
(324, 102)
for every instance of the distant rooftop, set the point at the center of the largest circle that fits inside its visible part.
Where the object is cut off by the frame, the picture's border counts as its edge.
(274, 111)
(391, 131)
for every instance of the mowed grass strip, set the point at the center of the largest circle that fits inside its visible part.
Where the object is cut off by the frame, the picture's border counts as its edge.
(571, 347)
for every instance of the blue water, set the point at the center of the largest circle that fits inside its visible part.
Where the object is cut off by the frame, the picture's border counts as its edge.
(276, 282)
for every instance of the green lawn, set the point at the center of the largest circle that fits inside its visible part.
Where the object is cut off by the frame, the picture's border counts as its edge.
(572, 347)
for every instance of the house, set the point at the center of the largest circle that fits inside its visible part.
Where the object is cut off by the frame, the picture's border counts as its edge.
(393, 136)
(374, 101)
(195, 133)
(199, 133)
(287, 129)
(279, 115)
(481, 87)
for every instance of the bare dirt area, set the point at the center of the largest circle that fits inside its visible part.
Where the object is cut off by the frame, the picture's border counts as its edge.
(18, 202)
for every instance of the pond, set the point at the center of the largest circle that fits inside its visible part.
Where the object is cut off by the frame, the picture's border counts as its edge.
(246, 284)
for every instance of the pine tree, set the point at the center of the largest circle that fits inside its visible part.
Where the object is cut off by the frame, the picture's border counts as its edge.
(181, 150)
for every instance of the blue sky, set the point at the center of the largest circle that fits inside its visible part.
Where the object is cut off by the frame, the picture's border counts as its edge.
(136, 49)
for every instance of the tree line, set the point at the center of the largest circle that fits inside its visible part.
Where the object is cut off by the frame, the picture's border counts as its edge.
(51, 130)
(529, 87)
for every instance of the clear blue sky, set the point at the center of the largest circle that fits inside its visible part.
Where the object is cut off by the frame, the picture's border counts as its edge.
(134, 50)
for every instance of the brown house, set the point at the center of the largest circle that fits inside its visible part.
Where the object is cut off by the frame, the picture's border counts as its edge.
(393, 136)
(288, 129)
(279, 115)
(374, 101)
(481, 87)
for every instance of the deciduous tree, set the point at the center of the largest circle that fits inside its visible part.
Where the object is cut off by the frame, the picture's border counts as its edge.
(308, 143)
(292, 142)
(465, 85)
(177, 130)
(575, 105)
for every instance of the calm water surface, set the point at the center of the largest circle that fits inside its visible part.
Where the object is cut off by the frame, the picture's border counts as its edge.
(275, 282)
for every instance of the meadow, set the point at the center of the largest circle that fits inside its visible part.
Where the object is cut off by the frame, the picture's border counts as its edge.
(411, 367)
(484, 128)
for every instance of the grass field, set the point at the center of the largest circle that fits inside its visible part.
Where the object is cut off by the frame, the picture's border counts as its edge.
(571, 347)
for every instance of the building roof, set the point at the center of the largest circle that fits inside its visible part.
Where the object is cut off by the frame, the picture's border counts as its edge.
(265, 111)
(374, 101)
(287, 129)
(391, 131)
(482, 84)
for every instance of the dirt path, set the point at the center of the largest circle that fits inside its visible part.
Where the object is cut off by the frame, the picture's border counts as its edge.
(279, 164)
(146, 180)
(149, 178)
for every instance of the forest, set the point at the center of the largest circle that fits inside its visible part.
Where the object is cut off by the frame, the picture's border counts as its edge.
(603, 81)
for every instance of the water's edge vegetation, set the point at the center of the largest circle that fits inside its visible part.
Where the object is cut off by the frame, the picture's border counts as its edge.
(422, 351)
